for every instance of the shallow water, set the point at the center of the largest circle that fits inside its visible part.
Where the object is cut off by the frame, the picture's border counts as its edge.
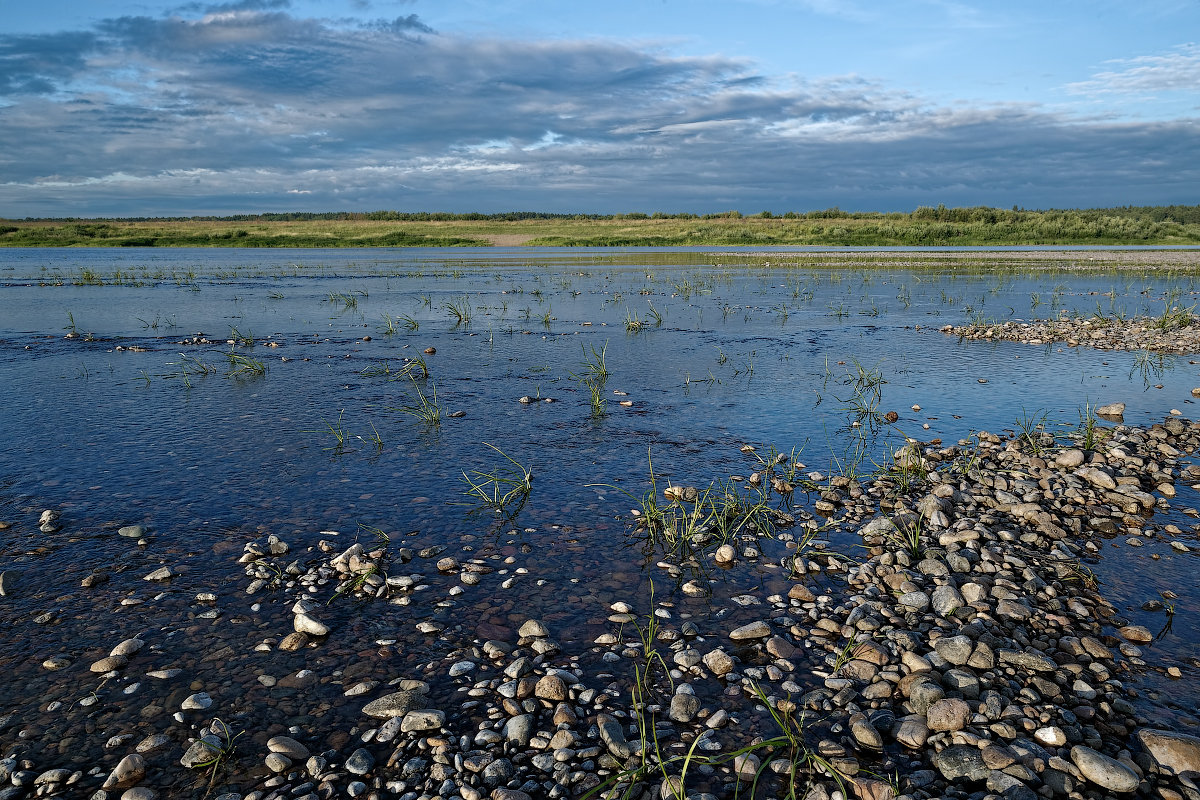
(751, 349)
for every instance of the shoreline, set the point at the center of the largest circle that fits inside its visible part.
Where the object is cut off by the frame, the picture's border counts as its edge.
(977, 653)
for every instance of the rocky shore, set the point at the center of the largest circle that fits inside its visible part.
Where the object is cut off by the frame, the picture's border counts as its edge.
(1174, 332)
(963, 651)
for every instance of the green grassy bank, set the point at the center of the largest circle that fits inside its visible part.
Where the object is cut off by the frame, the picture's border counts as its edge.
(1150, 225)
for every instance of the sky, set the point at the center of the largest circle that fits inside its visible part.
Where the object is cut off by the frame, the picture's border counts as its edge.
(146, 108)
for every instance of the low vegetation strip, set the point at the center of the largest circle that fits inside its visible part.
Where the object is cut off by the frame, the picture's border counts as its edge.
(1172, 225)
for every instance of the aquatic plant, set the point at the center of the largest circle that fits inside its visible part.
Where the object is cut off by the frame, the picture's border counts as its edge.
(459, 310)
(243, 366)
(504, 489)
(425, 407)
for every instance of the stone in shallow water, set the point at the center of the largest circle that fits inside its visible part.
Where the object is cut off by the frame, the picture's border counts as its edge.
(396, 704)
(288, 747)
(753, 630)
(422, 720)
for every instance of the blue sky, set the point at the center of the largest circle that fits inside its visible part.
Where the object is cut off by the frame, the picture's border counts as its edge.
(114, 107)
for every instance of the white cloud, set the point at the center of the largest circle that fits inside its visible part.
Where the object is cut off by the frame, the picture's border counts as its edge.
(1174, 71)
(211, 114)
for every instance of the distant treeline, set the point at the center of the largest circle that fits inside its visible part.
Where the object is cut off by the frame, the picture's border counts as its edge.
(941, 213)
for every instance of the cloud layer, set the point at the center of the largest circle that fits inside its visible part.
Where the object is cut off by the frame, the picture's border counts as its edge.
(246, 107)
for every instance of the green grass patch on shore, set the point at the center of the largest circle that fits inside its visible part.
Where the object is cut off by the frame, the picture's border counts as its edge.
(940, 226)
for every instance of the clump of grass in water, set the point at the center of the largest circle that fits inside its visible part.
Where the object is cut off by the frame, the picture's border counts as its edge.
(347, 300)
(1032, 433)
(243, 366)
(459, 311)
(426, 408)
(190, 366)
(337, 431)
(504, 490)
(221, 753)
(593, 376)
(392, 325)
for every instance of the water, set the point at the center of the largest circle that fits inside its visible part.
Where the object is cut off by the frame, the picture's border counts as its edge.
(117, 425)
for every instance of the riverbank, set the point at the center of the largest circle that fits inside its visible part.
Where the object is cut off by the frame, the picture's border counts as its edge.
(998, 228)
(967, 647)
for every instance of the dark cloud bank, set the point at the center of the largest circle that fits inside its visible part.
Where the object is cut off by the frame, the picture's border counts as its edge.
(247, 107)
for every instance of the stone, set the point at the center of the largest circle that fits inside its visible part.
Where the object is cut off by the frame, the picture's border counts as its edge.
(950, 714)
(423, 720)
(1177, 752)
(277, 762)
(613, 736)
(8, 579)
(684, 707)
(1032, 661)
(1104, 771)
(533, 628)
(396, 704)
(961, 761)
(201, 752)
(725, 554)
(1050, 735)
(719, 662)
(139, 793)
(360, 761)
(911, 731)
(552, 688)
(127, 647)
(746, 766)
(1111, 410)
(160, 574)
(129, 771)
(955, 649)
(1069, 459)
(109, 663)
(1137, 634)
(519, 729)
(753, 630)
(865, 735)
(304, 623)
(197, 702)
(917, 601)
(289, 747)
(946, 600)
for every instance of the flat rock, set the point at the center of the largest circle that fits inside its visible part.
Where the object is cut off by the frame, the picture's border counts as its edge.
(396, 704)
(289, 747)
(753, 630)
(1104, 771)
(425, 719)
(160, 574)
(1177, 752)
(109, 663)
